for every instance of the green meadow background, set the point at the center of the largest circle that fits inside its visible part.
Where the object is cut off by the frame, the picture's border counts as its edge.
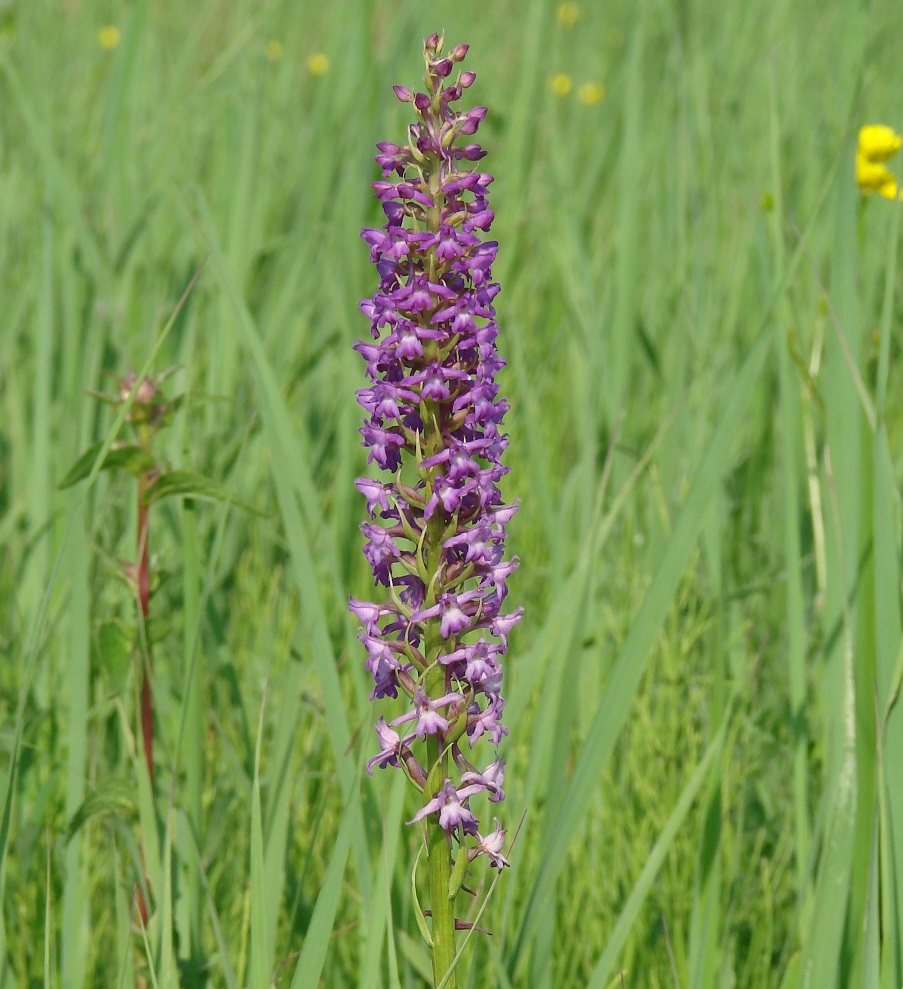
(702, 325)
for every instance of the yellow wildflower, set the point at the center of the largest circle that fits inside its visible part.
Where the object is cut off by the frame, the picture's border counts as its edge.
(273, 50)
(561, 84)
(317, 65)
(877, 144)
(567, 14)
(591, 93)
(873, 176)
(109, 37)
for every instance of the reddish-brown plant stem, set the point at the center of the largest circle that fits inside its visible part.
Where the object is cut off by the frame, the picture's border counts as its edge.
(143, 592)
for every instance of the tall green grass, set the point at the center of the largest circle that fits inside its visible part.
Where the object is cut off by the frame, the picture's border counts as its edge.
(701, 318)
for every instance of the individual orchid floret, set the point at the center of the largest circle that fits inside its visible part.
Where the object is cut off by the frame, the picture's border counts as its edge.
(490, 779)
(450, 807)
(426, 711)
(391, 746)
(491, 846)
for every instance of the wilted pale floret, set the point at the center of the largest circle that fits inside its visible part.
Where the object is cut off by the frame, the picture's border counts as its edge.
(491, 846)
(436, 527)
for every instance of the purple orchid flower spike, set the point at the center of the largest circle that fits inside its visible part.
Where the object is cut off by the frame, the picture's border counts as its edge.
(436, 520)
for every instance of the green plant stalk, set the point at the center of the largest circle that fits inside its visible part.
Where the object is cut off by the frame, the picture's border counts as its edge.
(440, 866)
(193, 752)
(791, 426)
(439, 851)
(442, 904)
(74, 939)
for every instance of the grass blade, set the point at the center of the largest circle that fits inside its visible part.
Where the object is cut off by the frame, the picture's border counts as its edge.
(75, 929)
(316, 943)
(261, 945)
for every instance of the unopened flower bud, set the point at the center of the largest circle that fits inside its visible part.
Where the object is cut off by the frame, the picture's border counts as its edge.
(147, 389)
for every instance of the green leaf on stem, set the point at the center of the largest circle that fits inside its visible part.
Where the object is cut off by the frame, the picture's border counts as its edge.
(458, 873)
(115, 643)
(188, 484)
(156, 629)
(125, 456)
(418, 912)
(115, 796)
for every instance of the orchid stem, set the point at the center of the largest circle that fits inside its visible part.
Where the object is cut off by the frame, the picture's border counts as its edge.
(440, 864)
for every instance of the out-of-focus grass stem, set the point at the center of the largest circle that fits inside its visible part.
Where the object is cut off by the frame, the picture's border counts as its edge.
(192, 751)
(791, 427)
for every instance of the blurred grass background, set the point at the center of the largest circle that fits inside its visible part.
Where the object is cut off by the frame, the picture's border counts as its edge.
(701, 321)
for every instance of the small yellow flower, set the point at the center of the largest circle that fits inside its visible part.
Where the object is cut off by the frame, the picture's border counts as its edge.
(109, 37)
(561, 84)
(877, 144)
(873, 176)
(591, 93)
(318, 65)
(568, 13)
(273, 50)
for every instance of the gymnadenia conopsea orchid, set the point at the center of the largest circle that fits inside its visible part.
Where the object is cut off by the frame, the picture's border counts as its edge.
(435, 536)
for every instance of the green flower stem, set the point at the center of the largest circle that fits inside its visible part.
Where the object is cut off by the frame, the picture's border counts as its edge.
(440, 868)
(442, 904)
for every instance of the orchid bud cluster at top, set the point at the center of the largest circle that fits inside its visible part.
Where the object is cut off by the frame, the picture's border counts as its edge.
(436, 534)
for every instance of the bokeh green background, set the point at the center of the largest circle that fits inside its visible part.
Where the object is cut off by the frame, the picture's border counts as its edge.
(702, 326)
